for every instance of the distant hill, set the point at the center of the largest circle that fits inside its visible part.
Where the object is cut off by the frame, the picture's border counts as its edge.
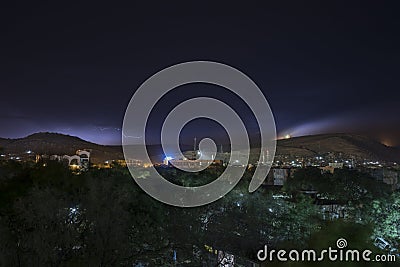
(59, 144)
(347, 144)
(4, 141)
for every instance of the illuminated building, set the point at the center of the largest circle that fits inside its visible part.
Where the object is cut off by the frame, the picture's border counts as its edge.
(277, 176)
(192, 164)
(81, 159)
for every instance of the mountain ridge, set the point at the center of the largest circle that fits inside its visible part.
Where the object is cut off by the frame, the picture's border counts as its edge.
(346, 143)
(60, 144)
(303, 146)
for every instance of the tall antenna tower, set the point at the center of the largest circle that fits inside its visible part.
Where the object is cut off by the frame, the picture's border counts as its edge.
(263, 157)
(194, 148)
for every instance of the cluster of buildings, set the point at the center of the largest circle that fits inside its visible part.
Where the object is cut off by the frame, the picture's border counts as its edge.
(348, 161)
(23, 157)
(124, 163)
(283, 166)
(196, 159)
(79, 162)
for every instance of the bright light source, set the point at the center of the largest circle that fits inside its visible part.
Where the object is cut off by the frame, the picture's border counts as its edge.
(166, 160)
(288, 136)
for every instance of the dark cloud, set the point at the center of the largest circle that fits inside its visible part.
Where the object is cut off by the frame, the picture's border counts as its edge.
(319, 64)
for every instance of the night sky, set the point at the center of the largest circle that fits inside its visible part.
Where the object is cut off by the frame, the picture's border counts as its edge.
(323, 67)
